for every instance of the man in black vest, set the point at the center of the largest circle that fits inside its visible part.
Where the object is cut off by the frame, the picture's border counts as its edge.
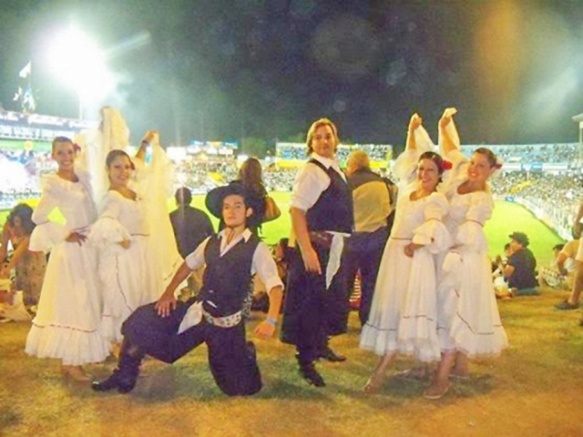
(169, 329)
(321, 212)
(372, 207)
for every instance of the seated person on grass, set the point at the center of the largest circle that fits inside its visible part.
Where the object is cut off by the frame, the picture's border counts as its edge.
(559, 274)
(520, 268)
(500, 284)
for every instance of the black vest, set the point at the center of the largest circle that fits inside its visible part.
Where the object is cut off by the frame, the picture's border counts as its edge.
(333, 209)
(227, 279)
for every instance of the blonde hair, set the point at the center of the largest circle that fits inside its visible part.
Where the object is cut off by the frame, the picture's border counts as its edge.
(359, 159)
(312, 131)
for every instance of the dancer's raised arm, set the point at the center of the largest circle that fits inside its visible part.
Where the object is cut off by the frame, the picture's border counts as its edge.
(414, 123)
(448, 137)
(150, 136)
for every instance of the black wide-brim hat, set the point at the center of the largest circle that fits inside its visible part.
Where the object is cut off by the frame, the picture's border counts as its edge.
(216, 196)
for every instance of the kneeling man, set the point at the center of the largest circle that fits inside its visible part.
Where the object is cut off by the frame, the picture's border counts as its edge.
(169, 329)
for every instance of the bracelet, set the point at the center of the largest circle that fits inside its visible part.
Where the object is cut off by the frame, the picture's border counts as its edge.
(272, 321)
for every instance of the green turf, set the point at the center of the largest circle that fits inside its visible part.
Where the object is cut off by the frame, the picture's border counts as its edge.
(510, 217)
(507, 218)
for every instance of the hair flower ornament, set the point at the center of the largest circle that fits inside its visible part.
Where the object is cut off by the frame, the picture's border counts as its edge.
(446, 165)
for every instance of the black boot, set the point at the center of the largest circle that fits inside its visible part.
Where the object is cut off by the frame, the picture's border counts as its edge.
(124, 377)
(325, 352)
(328, 354)
(310, 374)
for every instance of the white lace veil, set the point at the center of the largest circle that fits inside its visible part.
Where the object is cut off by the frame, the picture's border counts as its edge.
(159, 184)
(113, 133)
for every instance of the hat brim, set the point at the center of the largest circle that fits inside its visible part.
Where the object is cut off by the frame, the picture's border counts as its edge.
(216, 196)
(519, 238)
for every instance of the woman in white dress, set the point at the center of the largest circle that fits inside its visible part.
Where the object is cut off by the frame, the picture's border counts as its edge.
(134, 265)
(67, 321)
(403, 313)
(468, 321)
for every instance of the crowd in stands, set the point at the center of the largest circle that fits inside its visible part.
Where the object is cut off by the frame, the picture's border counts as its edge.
(552, 197)
(568, 152)
(202, 176)
(297, 151)
(19, 175)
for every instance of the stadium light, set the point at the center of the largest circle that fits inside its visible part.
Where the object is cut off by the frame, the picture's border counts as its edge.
(80, 64)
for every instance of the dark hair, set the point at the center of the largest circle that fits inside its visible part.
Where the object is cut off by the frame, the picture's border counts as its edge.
(60, 140)
(251, 178)
(490, 156)
(558, 246)
(183, 196)
(436, 158)
(116, 153)
(24, 212)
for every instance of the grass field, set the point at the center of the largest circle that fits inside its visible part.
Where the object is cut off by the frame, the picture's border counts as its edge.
(507, 218)
(532, 389)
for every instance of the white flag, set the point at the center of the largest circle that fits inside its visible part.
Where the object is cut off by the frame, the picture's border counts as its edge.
(25, 72)
(18, 95)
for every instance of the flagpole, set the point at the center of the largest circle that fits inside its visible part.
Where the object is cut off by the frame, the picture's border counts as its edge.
(80, 106)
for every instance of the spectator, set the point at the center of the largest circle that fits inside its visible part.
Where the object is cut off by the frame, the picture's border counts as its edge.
(500, 284)
(559, 274)
(572, 302)
(520, 268)
(250, 176)
(191, 226)
(372, 205)
(281, 254)
(29, 267)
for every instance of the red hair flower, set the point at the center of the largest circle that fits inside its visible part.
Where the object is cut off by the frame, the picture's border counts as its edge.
(446, 165)
(76, 148)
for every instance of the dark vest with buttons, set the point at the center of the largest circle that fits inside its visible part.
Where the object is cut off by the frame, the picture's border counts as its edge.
(227, 278)
(333, 209)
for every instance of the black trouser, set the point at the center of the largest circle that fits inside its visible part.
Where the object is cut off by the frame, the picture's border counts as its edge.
(312, 313)
(364, 251)
(231, 359)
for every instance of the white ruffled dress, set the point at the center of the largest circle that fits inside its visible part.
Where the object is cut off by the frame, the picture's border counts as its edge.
(138, 275)
(468, 318)
(66, 325)
(403, 312)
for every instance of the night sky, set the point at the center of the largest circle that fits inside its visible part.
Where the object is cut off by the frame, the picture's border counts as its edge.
(219, 69)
